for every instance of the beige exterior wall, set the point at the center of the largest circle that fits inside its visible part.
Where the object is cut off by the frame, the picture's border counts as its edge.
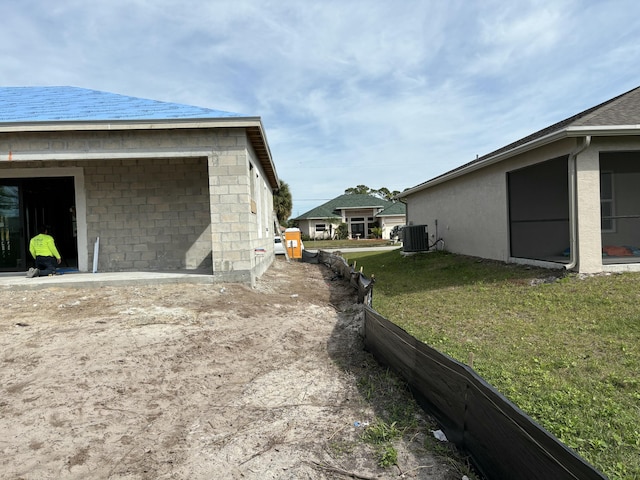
(329, 231)
(308, 227)
(588, 197)
(158, 200)
(470, 213)
(387, 223)
(304, 226)
(589, 233)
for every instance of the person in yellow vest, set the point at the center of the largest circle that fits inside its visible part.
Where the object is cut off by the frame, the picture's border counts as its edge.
(43, 250)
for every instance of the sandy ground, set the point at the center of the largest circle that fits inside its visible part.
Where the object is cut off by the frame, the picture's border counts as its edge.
(189, 381)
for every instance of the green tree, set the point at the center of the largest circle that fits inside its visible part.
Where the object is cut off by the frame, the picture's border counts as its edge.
(359, 190)
(383, 192)
(342, 231)
(376, 232)
(283, 203)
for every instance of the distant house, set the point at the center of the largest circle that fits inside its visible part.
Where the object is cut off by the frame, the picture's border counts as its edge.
(359, 212)
(163, 186)
(566, 196)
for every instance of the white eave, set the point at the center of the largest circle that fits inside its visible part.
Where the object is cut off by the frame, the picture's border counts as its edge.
(568, 132)
(160, 124)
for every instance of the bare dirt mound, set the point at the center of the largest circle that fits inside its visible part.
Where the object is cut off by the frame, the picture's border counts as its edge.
(187, 381)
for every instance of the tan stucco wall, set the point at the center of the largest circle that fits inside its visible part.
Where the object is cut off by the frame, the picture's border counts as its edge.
(589, 234)
(471, 212)
(588, 196)
(159, 200)
(387, 223)
(308, 227)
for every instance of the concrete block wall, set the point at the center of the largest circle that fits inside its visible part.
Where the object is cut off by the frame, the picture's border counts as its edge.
(150, 214)
(235, 230)
(164, 212)
(265, 228)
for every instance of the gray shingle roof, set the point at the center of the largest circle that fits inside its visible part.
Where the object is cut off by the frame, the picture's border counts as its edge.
(621, 110)
(351, 201)
(68, 104)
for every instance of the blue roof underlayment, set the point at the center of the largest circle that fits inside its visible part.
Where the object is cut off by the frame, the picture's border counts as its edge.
(70, 104)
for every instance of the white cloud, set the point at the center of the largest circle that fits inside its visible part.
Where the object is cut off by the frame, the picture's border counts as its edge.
(379, 93)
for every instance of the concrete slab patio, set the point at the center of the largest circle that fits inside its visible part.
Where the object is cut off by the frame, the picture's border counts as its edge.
(19, 281)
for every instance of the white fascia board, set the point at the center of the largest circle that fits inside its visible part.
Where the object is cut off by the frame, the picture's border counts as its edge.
(604, 131)
(132, 125)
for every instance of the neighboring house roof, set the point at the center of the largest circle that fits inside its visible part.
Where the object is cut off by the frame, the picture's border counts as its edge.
(66, 108)
(394, 210)
(617, 116)
(351, 201)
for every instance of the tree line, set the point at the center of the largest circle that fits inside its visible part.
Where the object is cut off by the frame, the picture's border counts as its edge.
(383, 192)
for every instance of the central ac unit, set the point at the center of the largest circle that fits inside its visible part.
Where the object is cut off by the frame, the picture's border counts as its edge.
(415, 238)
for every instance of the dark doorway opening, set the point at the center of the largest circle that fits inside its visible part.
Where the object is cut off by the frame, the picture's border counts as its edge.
(25, 205)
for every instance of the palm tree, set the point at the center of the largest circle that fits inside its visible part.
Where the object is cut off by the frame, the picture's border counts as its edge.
(283, 203)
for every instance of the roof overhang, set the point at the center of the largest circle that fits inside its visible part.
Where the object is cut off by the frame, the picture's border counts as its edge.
(253, 126)
(568, 132)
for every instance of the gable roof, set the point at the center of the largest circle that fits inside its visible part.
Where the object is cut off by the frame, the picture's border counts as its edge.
(617, 116)
(54, 108)
(349, 201)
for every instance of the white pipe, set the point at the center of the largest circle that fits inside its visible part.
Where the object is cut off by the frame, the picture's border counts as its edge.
(573, 202)
(96, 248)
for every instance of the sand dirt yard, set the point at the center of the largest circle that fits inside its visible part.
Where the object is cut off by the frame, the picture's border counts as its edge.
(192, 381)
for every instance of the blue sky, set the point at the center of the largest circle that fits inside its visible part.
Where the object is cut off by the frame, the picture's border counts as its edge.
(380, 93)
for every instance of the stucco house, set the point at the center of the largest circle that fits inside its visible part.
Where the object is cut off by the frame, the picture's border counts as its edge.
(359, 212)
(163, 186)
(566, 196)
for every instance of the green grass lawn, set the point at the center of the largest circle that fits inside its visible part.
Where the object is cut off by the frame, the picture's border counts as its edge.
(566, 351)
